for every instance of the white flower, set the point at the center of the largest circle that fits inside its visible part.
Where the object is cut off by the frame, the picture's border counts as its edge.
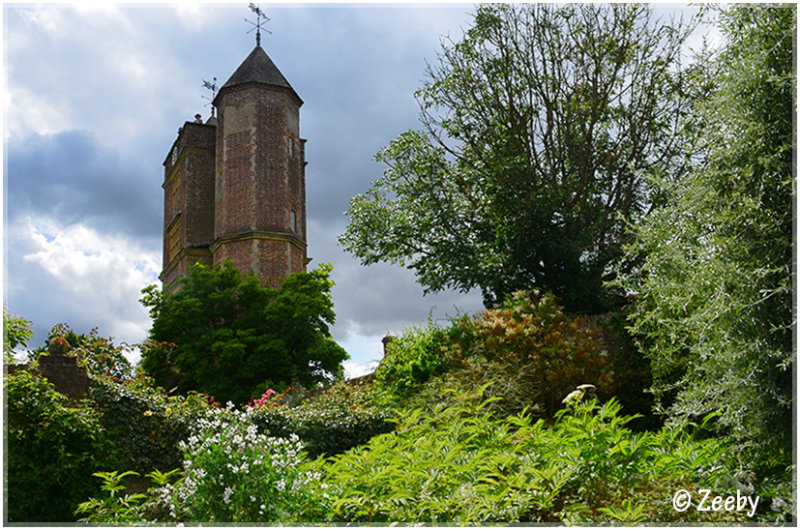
(778, 504)
(226, 495)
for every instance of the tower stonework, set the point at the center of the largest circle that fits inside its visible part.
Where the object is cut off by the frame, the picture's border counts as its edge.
(242, 176)
(188, 200)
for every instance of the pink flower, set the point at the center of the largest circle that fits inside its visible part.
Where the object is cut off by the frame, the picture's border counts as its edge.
(258, 403)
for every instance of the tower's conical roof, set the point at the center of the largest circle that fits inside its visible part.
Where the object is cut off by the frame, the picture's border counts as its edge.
(257, 68)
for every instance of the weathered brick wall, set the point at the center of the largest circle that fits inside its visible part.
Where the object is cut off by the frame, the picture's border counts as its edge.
(189, 199)
(236, 189)
(269, 258)
(260, 181)
(253, 154)
(240, 252)
(65, 374)
(198, 196)
(58, 368)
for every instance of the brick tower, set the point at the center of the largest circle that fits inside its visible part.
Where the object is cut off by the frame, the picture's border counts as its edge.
(259, 219)
(249, 204)
(188, 200)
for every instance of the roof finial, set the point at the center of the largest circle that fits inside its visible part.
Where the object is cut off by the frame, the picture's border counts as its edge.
(213, 88)
(257, 24)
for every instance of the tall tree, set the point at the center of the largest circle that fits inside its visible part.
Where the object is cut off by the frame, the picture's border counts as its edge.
(539, 129)
(714, 293)
(230, 336)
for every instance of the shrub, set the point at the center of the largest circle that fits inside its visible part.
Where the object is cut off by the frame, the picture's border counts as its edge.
(52, 450)
(459, 464)
(95, 354)
(466, 465)
(116, 508)
(529, 353)
(230, 473)
(227, 334)
(16, 332)
(341, 417)
(713, 267)
(145, 424)
(412, 359)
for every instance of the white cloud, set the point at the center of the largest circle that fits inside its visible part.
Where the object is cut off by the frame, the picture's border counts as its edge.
(353, 370)
(96, 68)
(98, 276)
(193, 16)
(48, 19)
(27, 113)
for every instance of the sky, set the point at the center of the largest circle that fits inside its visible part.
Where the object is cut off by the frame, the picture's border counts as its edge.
(93, 97)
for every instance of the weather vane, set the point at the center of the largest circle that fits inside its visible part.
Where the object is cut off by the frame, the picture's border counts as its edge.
(257, 24)
(212, 86)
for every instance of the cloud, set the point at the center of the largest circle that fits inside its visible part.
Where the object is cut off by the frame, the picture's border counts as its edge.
(71, 178)
(358, 83)
(379, 299)
(93, 101)
(353, 370)
(78, 275)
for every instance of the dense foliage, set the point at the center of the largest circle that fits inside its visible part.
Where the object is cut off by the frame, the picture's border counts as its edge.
(527, 352)
(16, 332)
(459, 465)
(412, 359)
(715, 310)
(144, 424)
(465, 465)
(51, 450)
(231, 473)
(99, 356)
(230, 336)
(331, 422)
(537, 353)
(539, 129)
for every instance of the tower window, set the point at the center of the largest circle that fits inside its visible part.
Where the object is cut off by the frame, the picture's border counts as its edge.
(293, 221)
(291, 146)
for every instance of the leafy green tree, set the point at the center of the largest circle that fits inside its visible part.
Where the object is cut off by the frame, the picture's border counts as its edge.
(714, 308)
(16, 332)
(230, 336)
(539, 129)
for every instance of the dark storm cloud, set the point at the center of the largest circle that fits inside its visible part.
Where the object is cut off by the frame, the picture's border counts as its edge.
(96, 98)
(71, 178)
(358, 82)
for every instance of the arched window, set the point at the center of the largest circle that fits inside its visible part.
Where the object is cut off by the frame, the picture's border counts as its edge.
(293, 220)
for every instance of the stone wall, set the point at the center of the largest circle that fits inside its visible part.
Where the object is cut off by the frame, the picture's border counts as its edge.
(65, 374)
(60, 369)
